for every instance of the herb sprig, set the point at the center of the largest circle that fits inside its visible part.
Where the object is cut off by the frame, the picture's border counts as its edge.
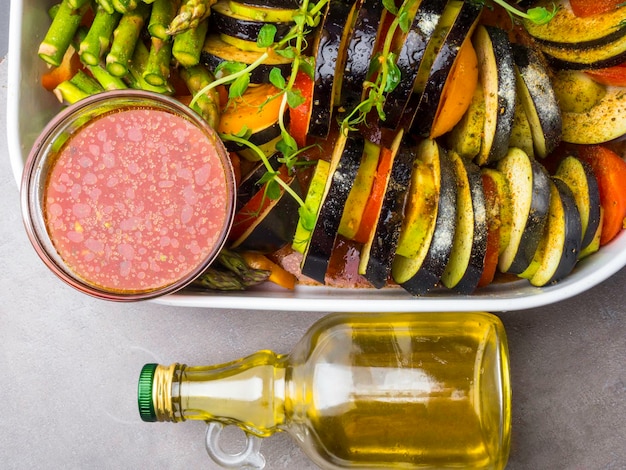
(537, 15)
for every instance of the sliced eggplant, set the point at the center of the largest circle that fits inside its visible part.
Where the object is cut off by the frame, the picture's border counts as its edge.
(282, 4)
(467, 136)
(224, 21)
(378, 253)
(467, 258)
(558, 252)
(269, 226)
(359, 51)
(216, 51)
(251, 182)
(328, 61)
(529, 186)
(344, 167)
(443, 63)
(576, 91)
(606, 55)
(497, 76)
(580, 178)
(538, 99)
(258, 12)
(422, 273)
(567, 30)
(410, 58)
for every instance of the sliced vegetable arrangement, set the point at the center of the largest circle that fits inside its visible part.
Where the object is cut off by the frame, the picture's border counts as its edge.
(445, 143)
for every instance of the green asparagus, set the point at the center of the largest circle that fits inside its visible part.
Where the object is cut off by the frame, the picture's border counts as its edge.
(163, 12)
(98, 39)
(61, 32)
(157, 70)
(124, 6)
(136, 69)
(125, 38)
(106, 80)
(190, 14)
(188, 44)
(207, 104)
(75, 4)
(106, 5)
(86, 83)
(68, 92)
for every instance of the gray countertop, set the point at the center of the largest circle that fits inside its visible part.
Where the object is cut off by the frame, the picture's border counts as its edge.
(70, 365)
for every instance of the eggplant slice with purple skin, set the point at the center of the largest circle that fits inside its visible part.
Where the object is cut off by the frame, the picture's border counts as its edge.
(461, 30)
(346, 161)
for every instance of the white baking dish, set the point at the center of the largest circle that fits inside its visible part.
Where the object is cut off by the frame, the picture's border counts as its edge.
(30, 107)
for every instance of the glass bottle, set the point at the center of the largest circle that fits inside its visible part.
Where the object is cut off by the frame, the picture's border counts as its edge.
(403, 390)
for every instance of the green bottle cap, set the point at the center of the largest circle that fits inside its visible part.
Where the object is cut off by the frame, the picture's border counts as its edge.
(144, 393)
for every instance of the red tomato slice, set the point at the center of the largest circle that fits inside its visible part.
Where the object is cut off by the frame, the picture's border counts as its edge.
(610, 171)
(585, 8)
(374, 203)
(615, 76)
(299, 117)
(493, 234)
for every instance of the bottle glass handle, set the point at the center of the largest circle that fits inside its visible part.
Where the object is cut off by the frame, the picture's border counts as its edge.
(249, 458)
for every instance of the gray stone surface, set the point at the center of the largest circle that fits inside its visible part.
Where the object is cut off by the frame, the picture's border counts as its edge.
(70, 365)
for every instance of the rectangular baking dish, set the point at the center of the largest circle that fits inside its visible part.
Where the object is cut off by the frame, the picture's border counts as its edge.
(29, 107)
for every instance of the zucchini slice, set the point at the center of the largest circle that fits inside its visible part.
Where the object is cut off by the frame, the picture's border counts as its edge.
(538, 99)
(215, 51)
(580, 178)
(410, 57)
(329, 60)
(567, 30)
(469, 247)
(258, 12)
(529, 185)
(467, 136)
(521, 134)
(560, 246)
(343, 170)
(378, 253)
(276, 4)
(224, 21)
(443, 63)
(497, 75)
(422, 273)
(606, 55)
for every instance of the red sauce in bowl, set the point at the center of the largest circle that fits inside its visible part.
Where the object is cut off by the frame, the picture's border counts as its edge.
(136, 200)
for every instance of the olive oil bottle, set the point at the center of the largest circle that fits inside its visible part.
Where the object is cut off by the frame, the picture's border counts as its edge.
(407, 390)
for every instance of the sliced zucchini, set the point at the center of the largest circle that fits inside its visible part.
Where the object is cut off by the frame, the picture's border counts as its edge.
(262, 13)
(566, 29)
(343, 170)
(443, 64)
(560, 246)
(580, 178)
(497, 75)
(422, 273)
(410, 55)
(279, 4)
(224, 21)
(469, 247)
(360, 192)
(378, 253)
(529, 193)
(467, 136)
(216, 51)
(521, 134)
(312, 204)
(576, 91)
(538, 99)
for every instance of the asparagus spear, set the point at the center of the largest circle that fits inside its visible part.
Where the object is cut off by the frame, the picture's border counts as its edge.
(207, 104)
(190, 14)
(125, 38)
(77, 3)
(232, 273)
(107, 5)
(163, 12)
(188, 44)
(157, 69)
(68, 92)
(137, 67)
(124, 6)
(98, 39)
(106, 80)
(61, 32)
(86, 83)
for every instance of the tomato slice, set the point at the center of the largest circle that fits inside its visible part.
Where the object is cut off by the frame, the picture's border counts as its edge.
(612, 76)
(493, 231)
(585, 8)
(300, 116)
(375, 201)
(610, 171)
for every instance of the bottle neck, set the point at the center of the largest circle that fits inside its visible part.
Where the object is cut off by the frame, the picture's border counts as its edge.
(249, 392)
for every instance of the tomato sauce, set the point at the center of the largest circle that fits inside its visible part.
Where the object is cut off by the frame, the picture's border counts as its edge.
(137, 200)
